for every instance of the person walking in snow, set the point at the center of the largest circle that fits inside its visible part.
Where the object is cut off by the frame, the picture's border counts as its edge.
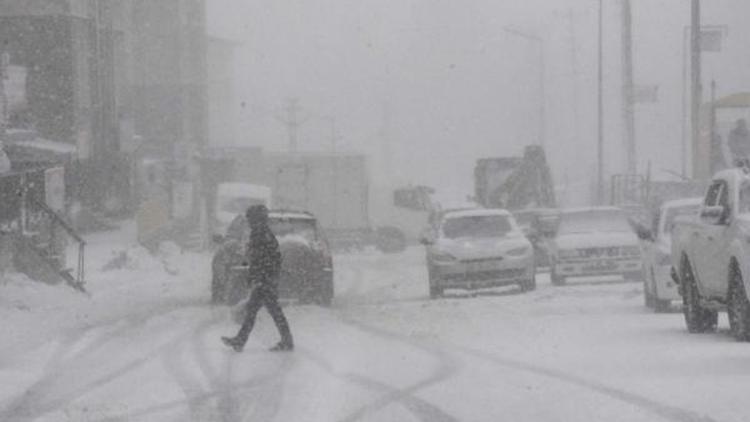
(265, 264)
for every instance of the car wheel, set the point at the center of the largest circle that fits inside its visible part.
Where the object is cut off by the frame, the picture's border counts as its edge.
(435, 291)
(697, 318)
(530, 284)
(648, 296)
(556, 280)
(325, 294)
(738, 307)
(648, 300)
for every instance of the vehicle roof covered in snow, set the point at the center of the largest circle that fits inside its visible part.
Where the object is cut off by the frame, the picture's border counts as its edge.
(684, 202)
(302, 215)
(475, 212)
(582, 210)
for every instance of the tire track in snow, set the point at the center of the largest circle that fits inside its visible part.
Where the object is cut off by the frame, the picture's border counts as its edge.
(422, 409)
(225, 407)
(663, 411)
(268, 402)
(45, 396)
(145, 412)
(228, 406)
(196, 395)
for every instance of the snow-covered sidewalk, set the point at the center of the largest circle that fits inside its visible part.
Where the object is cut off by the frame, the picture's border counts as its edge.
(32, 313)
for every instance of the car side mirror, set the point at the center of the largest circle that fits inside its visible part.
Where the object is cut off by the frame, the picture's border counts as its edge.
(218, 239)
(644, 233)
(427, 238)
(715, 215)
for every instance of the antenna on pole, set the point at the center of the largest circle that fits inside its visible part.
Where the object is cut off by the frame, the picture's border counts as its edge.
(292, 120)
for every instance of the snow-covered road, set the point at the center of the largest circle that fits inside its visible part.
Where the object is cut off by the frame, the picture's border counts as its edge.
(145, 347)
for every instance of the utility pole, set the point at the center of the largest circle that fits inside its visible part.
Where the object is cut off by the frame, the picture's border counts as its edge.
(628, 112)
(292, 121)
(600, 113)
(574, 71)
(695, 75)
(4, 103)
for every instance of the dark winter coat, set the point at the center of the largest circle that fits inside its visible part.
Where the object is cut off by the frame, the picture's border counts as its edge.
(263, 256)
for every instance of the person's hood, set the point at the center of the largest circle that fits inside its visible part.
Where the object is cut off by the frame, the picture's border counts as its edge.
(474, 248)
(595, 240)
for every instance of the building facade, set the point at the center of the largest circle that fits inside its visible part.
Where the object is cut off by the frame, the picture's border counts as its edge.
(118, 79)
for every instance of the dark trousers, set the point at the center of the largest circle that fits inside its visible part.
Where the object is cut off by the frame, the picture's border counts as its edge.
(265, 295)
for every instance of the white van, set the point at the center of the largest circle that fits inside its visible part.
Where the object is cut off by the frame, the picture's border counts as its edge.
(235, 198)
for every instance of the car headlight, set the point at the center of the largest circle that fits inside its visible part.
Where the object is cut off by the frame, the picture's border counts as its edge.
(523, 250)
(567, 254)
(443, 257)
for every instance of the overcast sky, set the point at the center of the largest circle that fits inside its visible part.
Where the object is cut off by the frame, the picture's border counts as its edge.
(428, 86)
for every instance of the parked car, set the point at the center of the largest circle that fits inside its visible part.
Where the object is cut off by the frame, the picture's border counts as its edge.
(711, 256)
(592, 242)
(478, 248)
(306, 268)
(659, 289)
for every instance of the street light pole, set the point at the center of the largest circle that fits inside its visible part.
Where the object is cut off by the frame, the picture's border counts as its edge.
(542, 72)
(628, 112)
(600, 113)
(695, 75)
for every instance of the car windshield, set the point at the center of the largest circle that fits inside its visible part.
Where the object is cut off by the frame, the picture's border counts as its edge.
(608, 221)
(477, 226)
(303, 228)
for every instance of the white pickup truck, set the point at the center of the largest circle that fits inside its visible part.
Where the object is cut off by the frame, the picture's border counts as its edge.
(711, 256)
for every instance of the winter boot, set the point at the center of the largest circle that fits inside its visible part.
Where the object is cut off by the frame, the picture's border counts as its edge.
(234, 343)
(283, 346)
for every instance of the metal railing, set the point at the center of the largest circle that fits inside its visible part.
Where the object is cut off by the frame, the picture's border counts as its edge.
(58, 221)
